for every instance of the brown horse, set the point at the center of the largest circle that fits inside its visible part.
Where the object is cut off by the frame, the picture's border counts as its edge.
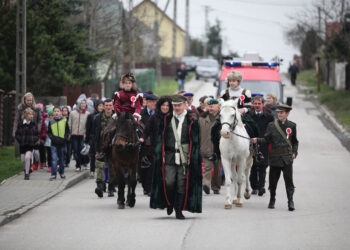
(124, 158)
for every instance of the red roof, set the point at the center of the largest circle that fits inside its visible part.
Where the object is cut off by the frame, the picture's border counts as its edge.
(254, 73)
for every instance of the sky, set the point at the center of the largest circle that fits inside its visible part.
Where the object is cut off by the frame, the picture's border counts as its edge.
(247, 25)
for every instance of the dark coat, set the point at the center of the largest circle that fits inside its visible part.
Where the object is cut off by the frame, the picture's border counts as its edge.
(27, 136)
(262, 121)
(193, 195)
(281, 154)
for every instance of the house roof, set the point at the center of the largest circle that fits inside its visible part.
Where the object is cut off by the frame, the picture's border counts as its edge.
(154, 5)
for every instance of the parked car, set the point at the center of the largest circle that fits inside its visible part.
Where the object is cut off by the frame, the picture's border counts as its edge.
(259, 77)
(207, 68)
(190, 61)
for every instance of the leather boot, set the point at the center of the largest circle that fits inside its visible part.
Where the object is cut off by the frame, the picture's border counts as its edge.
(290, 193)
(99, 189)
(179, 206)
(110, 190)
(272, 199)
(170, 208)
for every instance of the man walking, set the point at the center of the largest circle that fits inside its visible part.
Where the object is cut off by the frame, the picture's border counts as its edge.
(206, 122)
(258, 171)
(99, 123)
(282, 135)
(177, 175)
(146, 153)
(181, 74)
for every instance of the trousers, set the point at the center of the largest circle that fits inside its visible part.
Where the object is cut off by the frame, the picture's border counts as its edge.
(275, 173)
(175, 178)
(212, 181)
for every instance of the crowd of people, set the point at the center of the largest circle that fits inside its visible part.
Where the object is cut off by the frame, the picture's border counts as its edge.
(179, 154)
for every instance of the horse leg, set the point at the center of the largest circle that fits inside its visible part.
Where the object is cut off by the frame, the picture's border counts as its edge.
(249, 163)
(228, 182)
(131, 190)
(234, 180)
(241, 165)
(121, 187)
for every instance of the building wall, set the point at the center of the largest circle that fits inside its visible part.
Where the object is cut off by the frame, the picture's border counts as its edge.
(146, 13)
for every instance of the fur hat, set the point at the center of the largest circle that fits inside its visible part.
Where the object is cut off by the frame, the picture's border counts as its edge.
(234, 75)
(128, 76)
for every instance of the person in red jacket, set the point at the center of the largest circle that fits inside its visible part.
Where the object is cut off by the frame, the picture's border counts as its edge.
(128, 99)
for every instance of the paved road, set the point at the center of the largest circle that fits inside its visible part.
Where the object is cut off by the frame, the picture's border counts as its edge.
(77, 219)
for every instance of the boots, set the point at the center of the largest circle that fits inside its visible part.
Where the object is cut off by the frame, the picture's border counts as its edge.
(272, 199)
(179, 206)
(170, 208)
(99, 189)
(110, 190)
(290, 193)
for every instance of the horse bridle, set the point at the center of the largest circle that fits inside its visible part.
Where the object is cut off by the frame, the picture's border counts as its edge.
(232, 125)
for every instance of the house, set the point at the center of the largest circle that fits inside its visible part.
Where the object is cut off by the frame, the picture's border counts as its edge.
(146, 12)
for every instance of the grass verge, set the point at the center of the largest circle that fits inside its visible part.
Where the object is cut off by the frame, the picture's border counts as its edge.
(9, 164)
(169, 86)
(337, 101)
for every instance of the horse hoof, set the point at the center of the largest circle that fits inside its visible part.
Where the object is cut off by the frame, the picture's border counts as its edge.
(228, 206)
(247, 196)
(239, 204)
(121, 205)
(234, 201)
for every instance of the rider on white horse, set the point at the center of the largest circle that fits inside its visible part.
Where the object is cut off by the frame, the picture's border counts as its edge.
(233, 92)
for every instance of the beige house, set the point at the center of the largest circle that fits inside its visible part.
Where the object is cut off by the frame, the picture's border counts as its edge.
(146, 12)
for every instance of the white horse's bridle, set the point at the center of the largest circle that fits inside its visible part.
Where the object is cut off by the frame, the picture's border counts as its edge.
(232, 125)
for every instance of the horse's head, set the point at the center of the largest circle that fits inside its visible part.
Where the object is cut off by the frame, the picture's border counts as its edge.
(125, 133)
(228, 117)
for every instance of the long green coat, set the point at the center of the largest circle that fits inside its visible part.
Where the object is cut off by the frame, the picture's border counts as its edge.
(193, 195)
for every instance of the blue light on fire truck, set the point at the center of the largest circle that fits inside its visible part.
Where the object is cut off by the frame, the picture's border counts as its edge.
(252, 64)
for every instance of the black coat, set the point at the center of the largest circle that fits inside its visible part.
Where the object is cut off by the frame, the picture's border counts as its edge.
(262, 121)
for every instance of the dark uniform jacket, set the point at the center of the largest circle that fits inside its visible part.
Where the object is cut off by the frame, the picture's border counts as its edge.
(262, 121)
(281, 153)
(96, 131)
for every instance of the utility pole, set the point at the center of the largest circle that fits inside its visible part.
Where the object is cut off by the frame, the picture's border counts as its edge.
(21, 50)
(156, 43)
(319, 20)
(174, 31)
(132, 27)
(205, 47)
(187, 21)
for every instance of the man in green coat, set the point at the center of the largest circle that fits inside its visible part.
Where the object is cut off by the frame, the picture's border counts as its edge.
(177, 175)
(282, 135)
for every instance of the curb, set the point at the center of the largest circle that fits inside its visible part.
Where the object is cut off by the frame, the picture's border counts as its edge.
(4, 219)
(326, 113)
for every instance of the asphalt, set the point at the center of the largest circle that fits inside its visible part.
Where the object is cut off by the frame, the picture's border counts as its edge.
(18, 196)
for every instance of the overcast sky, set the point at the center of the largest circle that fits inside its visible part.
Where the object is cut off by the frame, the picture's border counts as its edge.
(248, 25)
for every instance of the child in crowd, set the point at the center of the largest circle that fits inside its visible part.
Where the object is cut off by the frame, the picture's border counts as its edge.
(58, 132)
(27, 135)
(42, 150)
(47, 143)
(65, 114)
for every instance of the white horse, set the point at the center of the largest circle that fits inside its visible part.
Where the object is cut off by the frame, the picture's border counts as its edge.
(236, 157)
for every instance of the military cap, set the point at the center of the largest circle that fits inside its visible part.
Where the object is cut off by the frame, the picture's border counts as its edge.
(283, 107)
(151, 97)
(178, 99)
(213, 101)
(189, 94)
(257, 94)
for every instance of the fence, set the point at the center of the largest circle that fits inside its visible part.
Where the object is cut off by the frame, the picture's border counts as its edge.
(335, 74)
(145, 81)
(73, 92)
(7, 117)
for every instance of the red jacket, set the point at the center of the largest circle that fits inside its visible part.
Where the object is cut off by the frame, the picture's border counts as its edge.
(128, 101)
